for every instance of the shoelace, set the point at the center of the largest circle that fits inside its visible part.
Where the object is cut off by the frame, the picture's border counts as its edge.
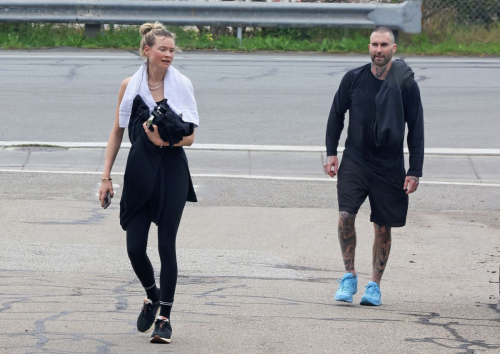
(146, 307)
(343, 283)
(371, 289)
(162, 323)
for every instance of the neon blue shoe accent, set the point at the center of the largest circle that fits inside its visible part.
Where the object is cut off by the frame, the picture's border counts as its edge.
(372, 296)
(347, 288)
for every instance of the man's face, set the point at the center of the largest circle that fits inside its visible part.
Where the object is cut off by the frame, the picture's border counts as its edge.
(381, 48)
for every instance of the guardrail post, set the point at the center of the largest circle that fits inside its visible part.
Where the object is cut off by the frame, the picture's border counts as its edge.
(396, 35)
(92, 29)
(240, 34)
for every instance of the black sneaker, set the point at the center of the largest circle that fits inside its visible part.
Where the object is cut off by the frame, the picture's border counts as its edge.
(146, 319)
(162, 332)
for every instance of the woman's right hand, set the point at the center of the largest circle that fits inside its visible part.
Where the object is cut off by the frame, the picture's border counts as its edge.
(105, 187)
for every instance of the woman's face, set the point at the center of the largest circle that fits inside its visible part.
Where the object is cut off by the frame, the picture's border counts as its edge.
(162, 53)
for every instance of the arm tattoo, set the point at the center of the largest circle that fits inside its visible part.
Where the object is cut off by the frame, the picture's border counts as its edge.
(347, 238)
(414, 179)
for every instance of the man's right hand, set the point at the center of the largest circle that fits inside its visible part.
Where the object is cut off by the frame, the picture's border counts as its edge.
(331, 161)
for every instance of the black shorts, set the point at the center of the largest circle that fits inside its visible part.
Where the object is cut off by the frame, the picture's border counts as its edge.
(388, 199)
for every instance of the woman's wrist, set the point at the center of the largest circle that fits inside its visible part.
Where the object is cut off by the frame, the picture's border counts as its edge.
(106, 176)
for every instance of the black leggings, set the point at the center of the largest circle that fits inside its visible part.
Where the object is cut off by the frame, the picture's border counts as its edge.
(176, 191)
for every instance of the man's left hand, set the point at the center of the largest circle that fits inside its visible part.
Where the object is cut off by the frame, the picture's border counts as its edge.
(411, 184)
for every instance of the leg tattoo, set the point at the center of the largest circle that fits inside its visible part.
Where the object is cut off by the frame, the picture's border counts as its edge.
(347, 238)
(381, 250)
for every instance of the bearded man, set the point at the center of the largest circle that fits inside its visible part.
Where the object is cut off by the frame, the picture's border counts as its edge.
(382, 97)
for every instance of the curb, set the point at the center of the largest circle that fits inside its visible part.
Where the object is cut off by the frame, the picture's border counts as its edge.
(257, 148)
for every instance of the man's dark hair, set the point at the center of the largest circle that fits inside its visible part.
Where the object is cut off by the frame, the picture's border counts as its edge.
(382, 29)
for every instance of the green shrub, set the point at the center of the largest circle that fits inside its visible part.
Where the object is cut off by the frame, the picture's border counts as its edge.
(440, 37)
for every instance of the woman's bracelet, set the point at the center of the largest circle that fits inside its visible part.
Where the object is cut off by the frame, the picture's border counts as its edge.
(106, 179)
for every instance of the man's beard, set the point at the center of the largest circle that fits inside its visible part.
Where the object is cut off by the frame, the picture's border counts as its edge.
(383, 62)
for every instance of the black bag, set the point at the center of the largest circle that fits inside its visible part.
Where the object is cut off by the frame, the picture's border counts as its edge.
(170, 125)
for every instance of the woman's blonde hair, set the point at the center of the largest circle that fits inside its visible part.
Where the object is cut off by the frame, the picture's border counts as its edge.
(149, 31)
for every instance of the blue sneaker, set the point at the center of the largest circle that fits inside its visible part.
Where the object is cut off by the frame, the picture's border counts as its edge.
(347, 288)
(372, 296)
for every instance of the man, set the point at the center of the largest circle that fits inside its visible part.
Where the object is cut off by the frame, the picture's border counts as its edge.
(382, 97)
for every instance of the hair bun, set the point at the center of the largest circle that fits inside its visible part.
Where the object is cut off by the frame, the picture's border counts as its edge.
(149, 26)
(145, 28)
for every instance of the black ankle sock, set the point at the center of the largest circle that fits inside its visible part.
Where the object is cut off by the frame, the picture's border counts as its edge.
(153, 294)
(165, 310)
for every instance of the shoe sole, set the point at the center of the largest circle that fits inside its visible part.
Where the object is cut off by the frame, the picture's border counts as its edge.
(369, 303)
(345, 299)
(158, 339)
(153, 324)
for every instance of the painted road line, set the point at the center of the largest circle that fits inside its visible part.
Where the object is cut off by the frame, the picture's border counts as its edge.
(327, 179)
(69, 57)
(262, 177)
(243, 147)
(63, 144)
(291, 148)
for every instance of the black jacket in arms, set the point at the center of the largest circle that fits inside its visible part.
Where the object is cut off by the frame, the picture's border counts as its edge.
(357, 94)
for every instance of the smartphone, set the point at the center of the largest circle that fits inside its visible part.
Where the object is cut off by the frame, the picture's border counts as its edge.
(107, 200)
(149, 123)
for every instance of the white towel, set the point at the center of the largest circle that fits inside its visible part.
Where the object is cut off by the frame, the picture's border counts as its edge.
(176, 88)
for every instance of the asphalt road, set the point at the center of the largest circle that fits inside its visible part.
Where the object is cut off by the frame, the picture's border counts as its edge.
(277, 99)
(258, 263)
(258, 254)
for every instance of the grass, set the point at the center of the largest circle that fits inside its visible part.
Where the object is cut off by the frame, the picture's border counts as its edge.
(439, 38)
(31, 36)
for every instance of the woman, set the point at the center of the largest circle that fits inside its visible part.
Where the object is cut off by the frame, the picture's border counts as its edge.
(157, 182)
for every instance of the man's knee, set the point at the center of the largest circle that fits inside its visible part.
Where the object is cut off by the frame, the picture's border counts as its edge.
(346, 218)
(382, 231)
(347, 230)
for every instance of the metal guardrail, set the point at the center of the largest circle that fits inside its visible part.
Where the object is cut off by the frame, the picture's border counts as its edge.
(405, 16)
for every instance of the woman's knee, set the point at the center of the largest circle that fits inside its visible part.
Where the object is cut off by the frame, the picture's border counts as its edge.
(136, 251)
(167, 252)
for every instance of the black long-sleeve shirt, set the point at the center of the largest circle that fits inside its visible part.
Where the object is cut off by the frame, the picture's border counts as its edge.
(356, 93)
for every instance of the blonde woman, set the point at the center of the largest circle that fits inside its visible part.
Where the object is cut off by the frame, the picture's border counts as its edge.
(157, 182)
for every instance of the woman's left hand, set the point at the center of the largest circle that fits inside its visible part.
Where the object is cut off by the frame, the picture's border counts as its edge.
(154, 136)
